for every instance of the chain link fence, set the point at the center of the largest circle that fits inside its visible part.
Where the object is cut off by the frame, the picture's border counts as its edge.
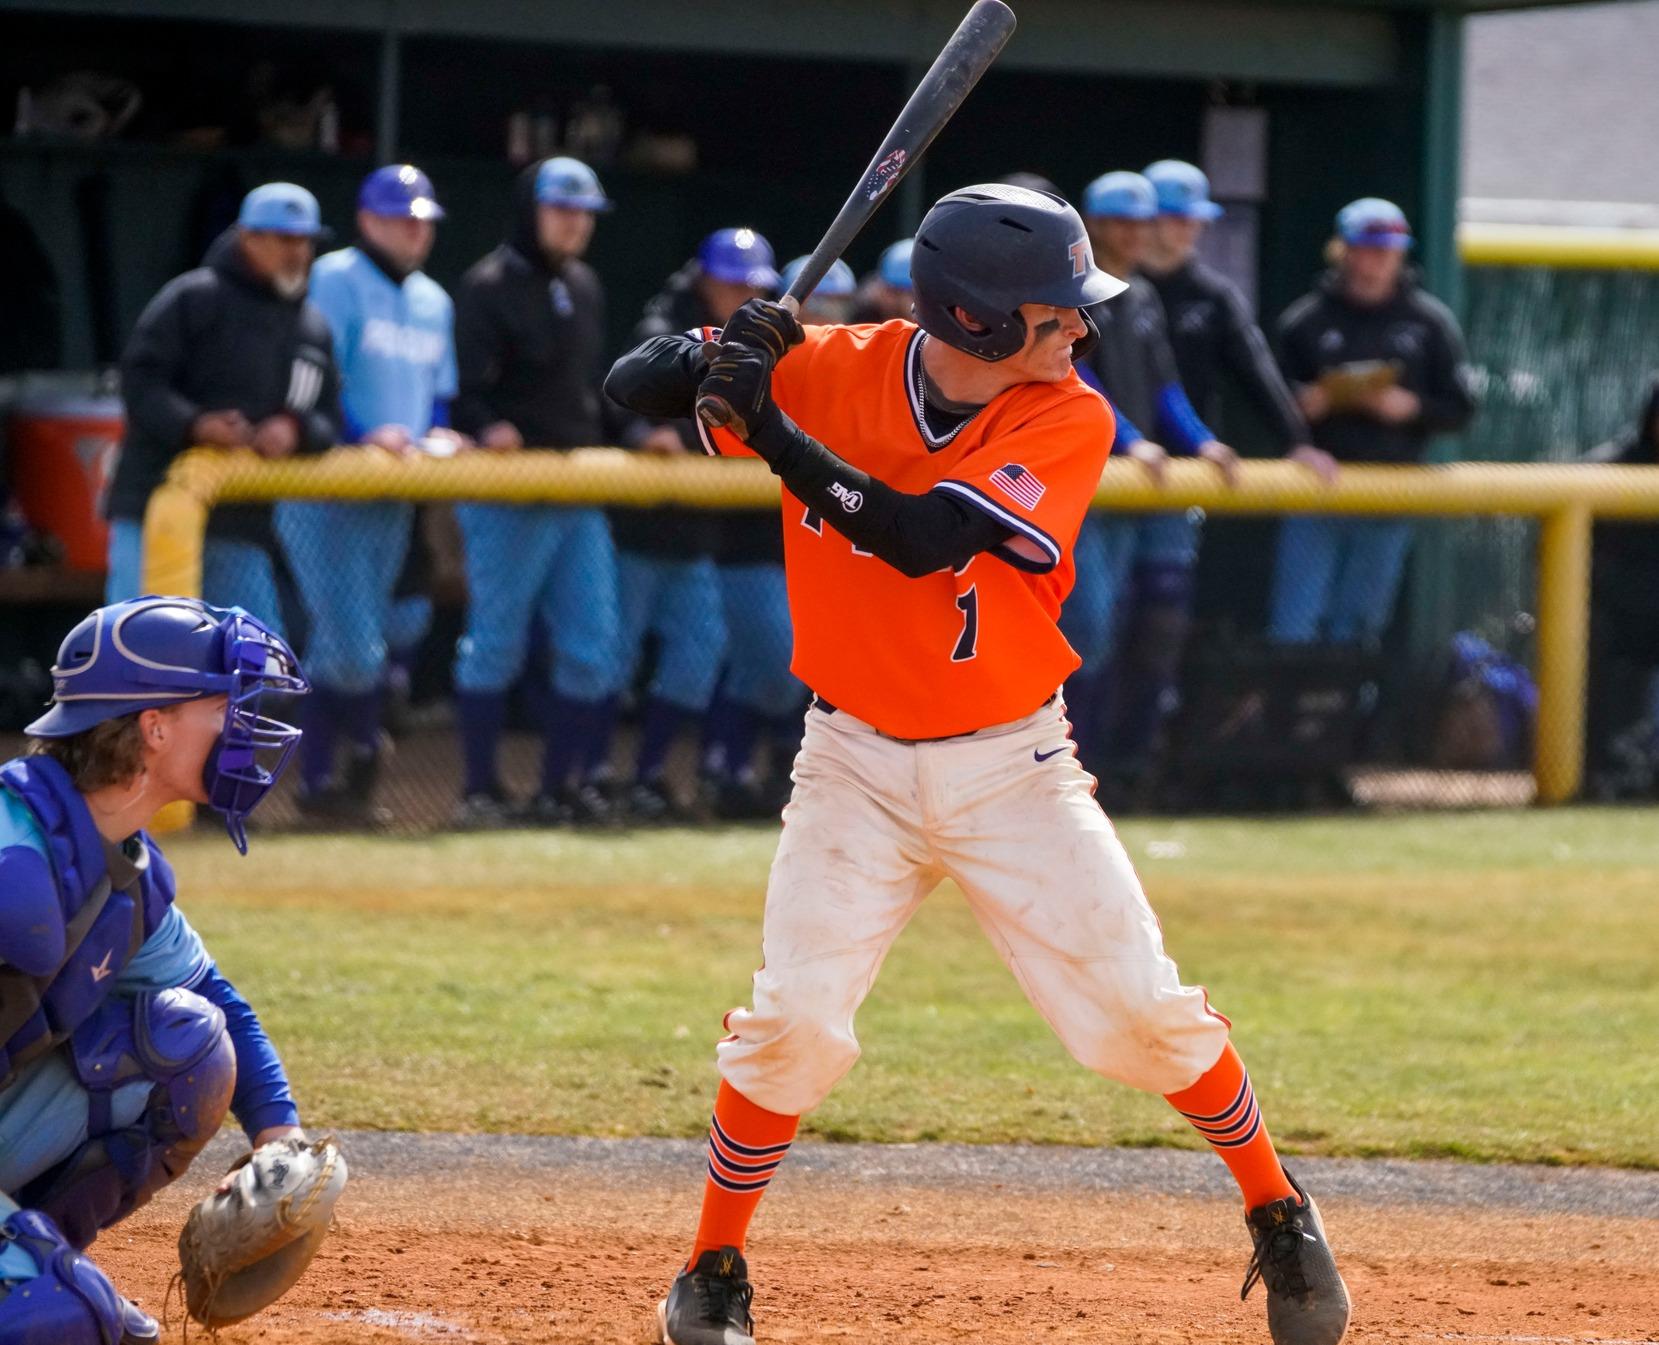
(1418, 686)
(639, 652)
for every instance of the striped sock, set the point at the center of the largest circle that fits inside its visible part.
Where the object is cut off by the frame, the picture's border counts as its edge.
(746, 1144)
(1222, 1108)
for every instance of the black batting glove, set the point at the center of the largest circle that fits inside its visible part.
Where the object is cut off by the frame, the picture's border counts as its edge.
(765, 326)
(741, 377)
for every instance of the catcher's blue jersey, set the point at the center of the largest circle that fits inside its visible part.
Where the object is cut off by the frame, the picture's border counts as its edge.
(394, 344)
(173, 953)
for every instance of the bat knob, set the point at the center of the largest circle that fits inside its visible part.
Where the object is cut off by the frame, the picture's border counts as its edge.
(715, 412)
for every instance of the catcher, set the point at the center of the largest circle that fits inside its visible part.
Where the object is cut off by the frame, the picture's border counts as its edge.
(121, 1044)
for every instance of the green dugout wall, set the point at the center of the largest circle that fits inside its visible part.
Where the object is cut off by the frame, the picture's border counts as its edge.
(782, 100)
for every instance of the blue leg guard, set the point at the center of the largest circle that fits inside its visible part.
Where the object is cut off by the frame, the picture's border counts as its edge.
(178, 1040)
(68, 1300)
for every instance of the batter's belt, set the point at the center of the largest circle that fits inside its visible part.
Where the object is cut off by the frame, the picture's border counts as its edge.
(819, 703)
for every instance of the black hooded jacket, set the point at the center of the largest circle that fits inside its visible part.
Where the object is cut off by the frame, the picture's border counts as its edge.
(1627, 551)
(214, 339)
(1213, 335)
(670, 533)
(1325, 329)
(529, 342)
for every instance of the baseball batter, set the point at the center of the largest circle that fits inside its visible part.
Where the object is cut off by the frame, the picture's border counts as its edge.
(935, 477)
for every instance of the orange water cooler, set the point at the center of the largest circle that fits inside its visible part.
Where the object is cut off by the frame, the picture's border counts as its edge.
(60, 453)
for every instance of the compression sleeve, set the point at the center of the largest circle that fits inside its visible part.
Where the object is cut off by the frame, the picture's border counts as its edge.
(1179, 422)
(262, 1098)
(1126, 432)
(915, 534)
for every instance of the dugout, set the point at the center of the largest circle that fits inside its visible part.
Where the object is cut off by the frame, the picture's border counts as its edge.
(751, 111)
(701, 116)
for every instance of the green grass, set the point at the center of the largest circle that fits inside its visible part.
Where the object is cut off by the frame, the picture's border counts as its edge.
(1480, 986)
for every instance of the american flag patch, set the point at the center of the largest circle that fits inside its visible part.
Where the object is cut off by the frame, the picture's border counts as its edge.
(1019, 485)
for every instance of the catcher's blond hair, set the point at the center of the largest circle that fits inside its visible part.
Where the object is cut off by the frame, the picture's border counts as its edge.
(111, 753)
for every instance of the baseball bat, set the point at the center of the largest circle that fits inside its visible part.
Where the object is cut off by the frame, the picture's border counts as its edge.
(983, 32)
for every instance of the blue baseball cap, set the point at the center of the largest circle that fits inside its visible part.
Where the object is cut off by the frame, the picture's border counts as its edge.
(1372, 222)
(894, 266)
(1182, 189)
(839, 283)
(570, 183)
(399, 190)
(1120, 196)
(738, 257)
(281, 208)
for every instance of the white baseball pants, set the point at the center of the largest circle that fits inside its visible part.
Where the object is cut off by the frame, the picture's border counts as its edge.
(874, 824)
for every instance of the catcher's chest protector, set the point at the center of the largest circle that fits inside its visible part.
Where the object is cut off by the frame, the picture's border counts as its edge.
(69, 926)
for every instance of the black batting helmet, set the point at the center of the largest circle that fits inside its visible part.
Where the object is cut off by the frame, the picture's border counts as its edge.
(987, 250)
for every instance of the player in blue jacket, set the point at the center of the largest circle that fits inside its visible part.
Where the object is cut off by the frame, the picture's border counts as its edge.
(121, 1043)
(394, 344)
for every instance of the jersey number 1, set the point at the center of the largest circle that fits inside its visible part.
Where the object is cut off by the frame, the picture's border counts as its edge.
(967, 643)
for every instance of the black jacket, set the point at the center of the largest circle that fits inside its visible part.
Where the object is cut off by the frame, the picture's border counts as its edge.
(219, 338)
(530, 342)
(1133, 359)
(670, 533)
(1627, 552)
(1213, 334)
(1324, 330)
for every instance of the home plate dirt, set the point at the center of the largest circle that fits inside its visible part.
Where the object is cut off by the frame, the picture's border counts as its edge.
(501, 1240)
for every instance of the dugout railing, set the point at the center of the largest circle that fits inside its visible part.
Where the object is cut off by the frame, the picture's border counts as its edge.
(1564, 499)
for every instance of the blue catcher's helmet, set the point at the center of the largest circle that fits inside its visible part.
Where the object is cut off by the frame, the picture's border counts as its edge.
(1182, 189)
(838, 283)
(568, 182)
(738, 257)
(1372, 222)
(991, 248)
(1120, 195)
(894, 266)
(150, 652)
(399, 189)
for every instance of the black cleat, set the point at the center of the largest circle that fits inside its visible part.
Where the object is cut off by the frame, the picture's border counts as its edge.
(709, 1304)
(1307, 1302)
(649, 804)
(338, 809)
(483, 812)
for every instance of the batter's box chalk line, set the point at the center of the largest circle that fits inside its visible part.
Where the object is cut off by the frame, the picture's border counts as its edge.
(1538, 1340)
(415, 1325)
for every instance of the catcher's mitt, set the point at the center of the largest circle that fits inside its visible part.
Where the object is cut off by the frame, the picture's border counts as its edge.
(244, 1247)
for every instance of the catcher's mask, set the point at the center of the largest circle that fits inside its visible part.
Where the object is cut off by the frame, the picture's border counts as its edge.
(150, 652)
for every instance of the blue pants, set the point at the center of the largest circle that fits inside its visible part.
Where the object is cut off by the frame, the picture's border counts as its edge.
(1108, 548)
(1335, 579)
(345, 559)
(234, 574)
(43, 1118)
(759, 639)
(678, 601)
(527, 559)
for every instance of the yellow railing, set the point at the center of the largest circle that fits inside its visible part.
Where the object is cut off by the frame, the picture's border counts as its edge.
(1564, 497)
(1583, 247)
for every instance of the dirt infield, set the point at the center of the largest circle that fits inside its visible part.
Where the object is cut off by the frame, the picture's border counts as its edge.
(549, 1242)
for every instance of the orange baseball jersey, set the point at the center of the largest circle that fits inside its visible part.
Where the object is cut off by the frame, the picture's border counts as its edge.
(949, 652)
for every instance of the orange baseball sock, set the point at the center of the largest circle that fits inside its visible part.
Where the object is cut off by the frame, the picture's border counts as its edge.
(746, 1144)
(1222, 1108)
